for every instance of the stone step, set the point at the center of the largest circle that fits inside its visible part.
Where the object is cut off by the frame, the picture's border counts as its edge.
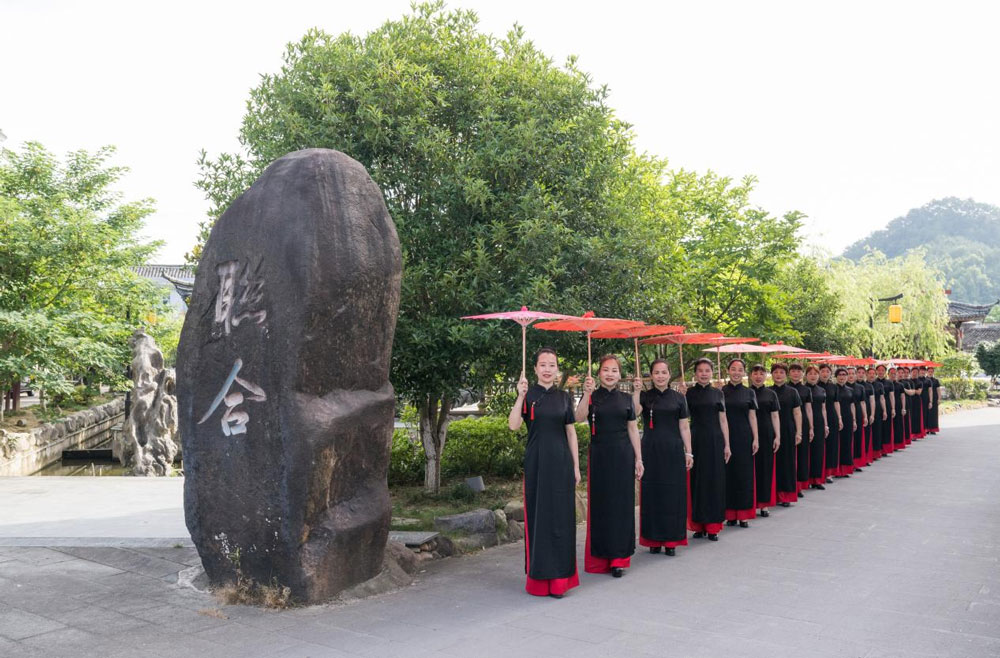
(412, 538)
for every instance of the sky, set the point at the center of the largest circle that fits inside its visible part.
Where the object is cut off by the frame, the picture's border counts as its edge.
(851, 112)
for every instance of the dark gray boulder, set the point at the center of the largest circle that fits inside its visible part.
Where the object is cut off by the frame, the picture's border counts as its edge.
(285, 406)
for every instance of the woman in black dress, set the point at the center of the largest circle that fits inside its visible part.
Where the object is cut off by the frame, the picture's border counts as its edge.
(860, 417)
(614, 465)
(551, 473)
(797, 374)
(741, 414)
(836, 422)
(790, 414)
(888, 387)
(868, 447)
(932, 424)
(710, 445)
(666, 458)
(912, 386)
(925, 399)
(768, 433)
(845, 394)
(821, 429)
(901, 424)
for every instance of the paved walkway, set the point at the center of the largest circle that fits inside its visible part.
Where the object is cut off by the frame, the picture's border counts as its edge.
(901, 560)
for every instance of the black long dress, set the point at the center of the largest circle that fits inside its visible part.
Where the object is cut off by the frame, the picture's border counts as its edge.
(925, 401)
(845, 395)
(860, 397)
(708, 476)
(869, 442)
(913, 409)
(767, 402)
(663, 491)
(817, 449)
(784, 460)
(879, 426)
(897, 420)
(740, 498)
(610, 482)
(802, 453)
(932, 424)
(903, 404)
(832, 466)
(549, 493)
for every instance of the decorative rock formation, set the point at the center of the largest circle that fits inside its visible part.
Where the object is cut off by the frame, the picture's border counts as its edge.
(149, 444)
(285, 404)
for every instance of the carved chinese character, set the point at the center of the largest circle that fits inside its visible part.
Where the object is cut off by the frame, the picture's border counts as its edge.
(239, 298)
(234, 420)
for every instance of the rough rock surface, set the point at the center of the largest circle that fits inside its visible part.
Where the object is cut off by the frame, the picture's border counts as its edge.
(476, 521)
(149, 443)
(285, 404)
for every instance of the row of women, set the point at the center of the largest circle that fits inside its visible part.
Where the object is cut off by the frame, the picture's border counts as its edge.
(707, 456)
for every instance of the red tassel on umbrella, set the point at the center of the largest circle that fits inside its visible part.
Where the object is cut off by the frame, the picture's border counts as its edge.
(533, 410)
(650, 419)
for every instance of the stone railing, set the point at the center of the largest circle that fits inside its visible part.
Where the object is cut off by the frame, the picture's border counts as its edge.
(26, 453)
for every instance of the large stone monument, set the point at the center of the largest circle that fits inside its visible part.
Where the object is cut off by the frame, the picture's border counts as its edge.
(285, 403)
(149, 443)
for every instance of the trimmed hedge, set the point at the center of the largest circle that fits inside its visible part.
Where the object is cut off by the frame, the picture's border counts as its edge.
(475, 446)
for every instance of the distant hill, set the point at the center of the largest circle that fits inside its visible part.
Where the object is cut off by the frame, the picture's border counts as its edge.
(961, 237)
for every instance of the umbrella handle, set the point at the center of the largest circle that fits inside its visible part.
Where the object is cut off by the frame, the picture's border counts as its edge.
(638, 372)
(590, 370)
(524, 349)
(680, 351)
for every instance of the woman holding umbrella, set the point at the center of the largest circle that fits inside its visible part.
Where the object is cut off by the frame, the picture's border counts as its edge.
(710, 445)
(796, 373)
(666, 458)
(932, 424)
(845, 395)
(551, 473)
(741, 414)
(768, 432)
(913, 389)
(821, 429)
(860, 416)
(831, 464)
(900, 423)
(790, 414)
(615, 462)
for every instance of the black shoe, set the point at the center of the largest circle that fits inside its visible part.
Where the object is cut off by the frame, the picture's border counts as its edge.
(829, 480)
(801, 495)
(617, 572)
(818, 486)
(670, 551)
(764, 514)
(744, 524)
(557, 596)
(785, 504)
(698, 535)
(858, 469)
(713, 538)
(654, 549)
(731, 523)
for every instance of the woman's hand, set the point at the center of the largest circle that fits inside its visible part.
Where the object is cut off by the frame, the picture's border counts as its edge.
(727, 453)
(682, 387)
(840, 424)
(588, 385)
(812, 434)
(688, 460)
(776, 445)
(798, 439)
(637, 383)
(576, 474)
(855, 428)
(639, 469)
(522, 387)
(755, 447)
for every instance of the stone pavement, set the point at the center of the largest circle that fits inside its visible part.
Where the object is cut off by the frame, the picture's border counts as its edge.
(901, 560)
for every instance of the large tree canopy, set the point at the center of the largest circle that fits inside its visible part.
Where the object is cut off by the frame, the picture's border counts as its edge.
(67, 243)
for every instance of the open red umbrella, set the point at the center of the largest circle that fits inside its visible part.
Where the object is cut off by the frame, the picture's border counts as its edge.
(809, 356)
(779, 346)
(682, 339)
(524, 317)
(852, 361)
(727, 340)
(907, 362)
(635, 333)
(589, 323)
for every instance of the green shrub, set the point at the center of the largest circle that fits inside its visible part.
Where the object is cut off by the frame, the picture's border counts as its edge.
(960, 388)
(406, 461)
(979, 390)
(499, 403)
(483, 446)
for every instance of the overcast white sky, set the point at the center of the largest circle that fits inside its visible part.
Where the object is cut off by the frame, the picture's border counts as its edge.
(852, 112)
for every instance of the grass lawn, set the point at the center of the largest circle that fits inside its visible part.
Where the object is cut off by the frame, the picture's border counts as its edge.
(34, 416)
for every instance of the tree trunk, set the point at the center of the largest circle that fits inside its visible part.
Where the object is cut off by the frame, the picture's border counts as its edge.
(434, 421)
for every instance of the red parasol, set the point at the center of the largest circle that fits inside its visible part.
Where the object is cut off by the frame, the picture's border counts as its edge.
(727, 340)
(933, 364)
(852, 361)
(635, 333)
(524, 317)
(587, 322)
(779, 346)
(907, 362)
(809, 356)
(682, 339)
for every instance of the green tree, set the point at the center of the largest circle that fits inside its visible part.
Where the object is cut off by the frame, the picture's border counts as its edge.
(509, 178)
(67, 242)
(988, 356)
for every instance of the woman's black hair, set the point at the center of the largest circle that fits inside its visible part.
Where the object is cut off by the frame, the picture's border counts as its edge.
(546, 350)
(701, 361)
(655, 361)
(758, 366)
(609, 357)
(736, 360)
(779, 366)
(796, 366)
(840, 370)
